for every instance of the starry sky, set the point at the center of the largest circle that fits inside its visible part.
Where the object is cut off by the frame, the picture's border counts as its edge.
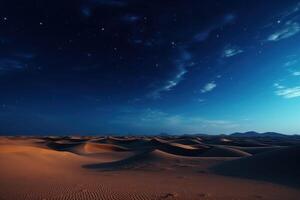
(149, 67)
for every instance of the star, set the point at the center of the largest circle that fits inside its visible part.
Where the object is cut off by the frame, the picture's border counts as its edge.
(173, 44)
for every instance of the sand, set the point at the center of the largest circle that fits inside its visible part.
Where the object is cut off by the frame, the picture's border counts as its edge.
(146, 168)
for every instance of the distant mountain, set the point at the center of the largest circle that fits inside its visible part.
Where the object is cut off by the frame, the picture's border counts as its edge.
(256, 134)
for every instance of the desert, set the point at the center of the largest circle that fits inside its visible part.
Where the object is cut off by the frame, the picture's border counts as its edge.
(149, 167)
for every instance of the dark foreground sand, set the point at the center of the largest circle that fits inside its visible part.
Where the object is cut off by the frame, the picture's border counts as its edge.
(148, 168)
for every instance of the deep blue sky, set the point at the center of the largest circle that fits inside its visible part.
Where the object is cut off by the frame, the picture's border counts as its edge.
(132, 66)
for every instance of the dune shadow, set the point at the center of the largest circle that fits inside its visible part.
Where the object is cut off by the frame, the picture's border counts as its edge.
(280, 166)
(125, 163)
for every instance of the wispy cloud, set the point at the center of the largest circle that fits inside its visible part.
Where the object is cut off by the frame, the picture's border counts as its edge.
(201, 100)
(184, 60)
(8, 65)
(296, 73)
(290, 14)
(223, 21)
(287, 92)
(16, 61)
(208, 87)
(181, 69)
(278, 86)
(230, 51)
(286, 24)
(25, 55)
(157, 120)
(291, 63)
(289, 29)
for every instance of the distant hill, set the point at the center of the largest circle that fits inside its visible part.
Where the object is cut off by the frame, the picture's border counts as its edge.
(256, 134)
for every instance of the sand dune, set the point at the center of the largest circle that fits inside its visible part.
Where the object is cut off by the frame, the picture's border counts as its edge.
(221, 151)
(142, 160)
(235, 142)
(176, 148)
(116, 140)
(130, 143)
(191, 141)
(41, 160)
(257, 150)
(104, 152)
(97, 148)
(144, 168)
(94, 148)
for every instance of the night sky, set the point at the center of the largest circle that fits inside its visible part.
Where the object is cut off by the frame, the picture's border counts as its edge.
(149, 67)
